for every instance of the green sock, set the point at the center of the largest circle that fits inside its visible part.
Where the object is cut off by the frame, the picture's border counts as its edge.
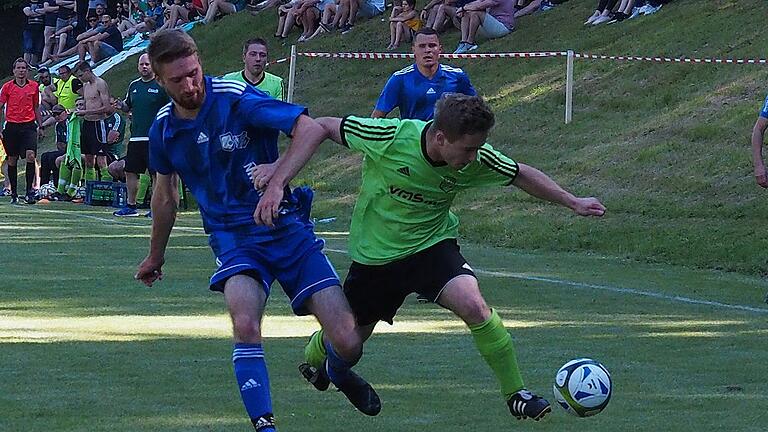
(314, 352)
(90, 173)
(74, 181)
(144, 183)
(64, 174)
(495, 345)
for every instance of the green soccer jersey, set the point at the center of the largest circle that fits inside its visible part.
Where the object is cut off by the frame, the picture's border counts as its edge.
(144, 98)
(269, 84)
(405, 199)
(117, 123)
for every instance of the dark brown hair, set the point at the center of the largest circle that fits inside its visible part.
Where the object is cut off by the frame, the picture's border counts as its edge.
(254, 41)
(83, 66)
(167, 46)
(458, 114)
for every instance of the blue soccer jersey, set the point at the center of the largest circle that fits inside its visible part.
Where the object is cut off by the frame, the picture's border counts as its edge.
(416, 95)
(236, 129)
(764, 110)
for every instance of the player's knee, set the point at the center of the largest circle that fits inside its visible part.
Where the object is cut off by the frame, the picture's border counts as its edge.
(476, 311)
(246, 328)
(348, 345)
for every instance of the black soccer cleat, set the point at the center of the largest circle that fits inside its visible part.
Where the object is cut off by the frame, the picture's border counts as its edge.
(525, 404)
(316, 377)
(360, 394)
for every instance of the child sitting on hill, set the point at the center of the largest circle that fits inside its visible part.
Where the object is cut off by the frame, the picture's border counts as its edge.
(403, 23)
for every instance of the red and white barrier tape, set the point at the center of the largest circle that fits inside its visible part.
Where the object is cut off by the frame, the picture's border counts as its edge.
(381, 56)
(671, 59)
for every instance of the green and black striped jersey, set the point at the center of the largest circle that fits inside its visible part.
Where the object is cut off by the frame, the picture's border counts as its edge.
(405, 199)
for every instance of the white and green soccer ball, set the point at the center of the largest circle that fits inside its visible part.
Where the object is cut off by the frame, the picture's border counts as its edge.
(46, 190)
(583, 387)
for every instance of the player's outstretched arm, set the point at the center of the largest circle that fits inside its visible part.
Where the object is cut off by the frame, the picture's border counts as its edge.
(165, 201)
(758, 132)
(307, 135)
(538, 184)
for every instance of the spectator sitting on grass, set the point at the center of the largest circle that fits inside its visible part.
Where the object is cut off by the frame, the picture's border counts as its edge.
(429, 12)
(104, 44)
(286, 18)
(486, 18)
(446, 14)
(350, 10)
(403, 23)
(179, 13)
(222, 7)
(328, 8)
(308, 15)
(602, 13)
(535, 6)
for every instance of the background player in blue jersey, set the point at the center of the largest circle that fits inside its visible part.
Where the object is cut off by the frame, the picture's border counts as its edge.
(416, 88)
(758, 135)
(211, 135)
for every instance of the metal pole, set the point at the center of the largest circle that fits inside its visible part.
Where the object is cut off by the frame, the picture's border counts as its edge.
(292, 75)
(569, 88)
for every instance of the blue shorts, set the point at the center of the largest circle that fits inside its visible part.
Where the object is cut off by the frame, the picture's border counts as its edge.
(294, 257)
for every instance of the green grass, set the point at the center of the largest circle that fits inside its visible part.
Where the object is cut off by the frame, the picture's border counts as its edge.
(665, 146)
(86, 348)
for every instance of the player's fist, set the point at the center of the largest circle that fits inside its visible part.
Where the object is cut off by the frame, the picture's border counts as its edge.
(588, 207)
(149, 270)
(268, 208)
(262, 174)
(113, 136)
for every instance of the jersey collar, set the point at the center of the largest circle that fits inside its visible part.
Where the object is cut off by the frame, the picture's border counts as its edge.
(424, 147)
(263, 76)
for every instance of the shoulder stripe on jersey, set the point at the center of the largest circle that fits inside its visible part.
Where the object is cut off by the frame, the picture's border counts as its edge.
(229, 84)
(495, 160)
(164, 111)
(404, 70)
(348, 127)
(369, 126)
(233, 91)
(219, 81)
(491, 161)
(368, 138)
(452, 69)
(136, 80)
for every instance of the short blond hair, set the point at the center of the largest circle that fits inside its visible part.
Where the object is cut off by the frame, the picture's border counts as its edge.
(167, 46)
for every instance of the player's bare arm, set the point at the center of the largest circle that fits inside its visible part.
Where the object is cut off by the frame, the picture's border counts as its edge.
(538, 184)
(758, 132)
(307, 135)
(165, 201)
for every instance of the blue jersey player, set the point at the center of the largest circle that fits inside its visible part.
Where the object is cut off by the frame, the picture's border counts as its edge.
(211, 135)
(416, 88)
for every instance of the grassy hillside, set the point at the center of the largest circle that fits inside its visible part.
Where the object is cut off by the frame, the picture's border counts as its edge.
(665, 146)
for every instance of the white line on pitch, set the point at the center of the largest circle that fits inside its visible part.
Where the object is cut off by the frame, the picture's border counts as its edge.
(613, 289)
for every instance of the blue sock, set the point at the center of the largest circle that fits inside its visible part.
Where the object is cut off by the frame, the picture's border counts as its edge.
(338, 368)
(253, 380)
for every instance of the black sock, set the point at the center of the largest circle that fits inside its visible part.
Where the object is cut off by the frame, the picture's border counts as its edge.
(30, 174)
(13, 173)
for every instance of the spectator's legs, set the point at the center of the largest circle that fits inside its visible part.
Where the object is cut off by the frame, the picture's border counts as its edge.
(281, 16)
(392, 35)
(309, 21)
(82, 48)
(213, 9)
(342, 13)
(354, 5)
(475, 20)
(95, 49)
(290, 20)
(400, 29)
(50, 41)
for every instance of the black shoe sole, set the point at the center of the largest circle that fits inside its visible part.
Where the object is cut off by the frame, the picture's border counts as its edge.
(317, 378)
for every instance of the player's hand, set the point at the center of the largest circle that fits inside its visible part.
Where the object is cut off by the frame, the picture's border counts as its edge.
(262, 174)
(268, 208)
(149, 270)
(113, 136)
(588, 207)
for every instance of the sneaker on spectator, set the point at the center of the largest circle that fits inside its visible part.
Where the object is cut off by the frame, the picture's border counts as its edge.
(592, 18)
(462, 48)
(652, 9)
(126, 212)
(546, 5)
(602, 19)
(471, 47)
(346, 28)
(618, 17)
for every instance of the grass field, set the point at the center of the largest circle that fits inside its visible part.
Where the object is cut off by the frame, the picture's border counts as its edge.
(83, 347)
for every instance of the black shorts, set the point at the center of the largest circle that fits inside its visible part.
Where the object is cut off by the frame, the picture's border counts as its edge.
(377, 292)
(93, 136)
(137, 157)
(18, 138)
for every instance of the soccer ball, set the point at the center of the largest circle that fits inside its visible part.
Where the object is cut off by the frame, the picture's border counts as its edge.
(46, 190)
(583, 387)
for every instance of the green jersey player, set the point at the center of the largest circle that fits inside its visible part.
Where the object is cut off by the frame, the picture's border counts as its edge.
(403, 233)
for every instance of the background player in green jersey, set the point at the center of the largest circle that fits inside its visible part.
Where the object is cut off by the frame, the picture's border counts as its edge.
(403, 234)
(255, 58)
